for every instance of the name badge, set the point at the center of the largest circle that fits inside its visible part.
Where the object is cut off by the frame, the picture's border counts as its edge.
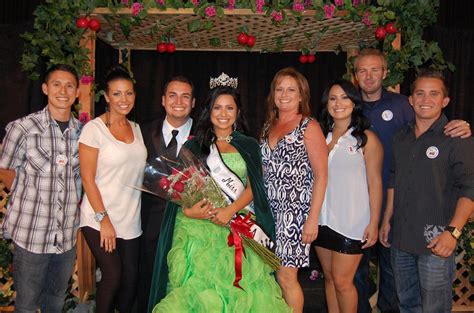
(351, 150)
(387, 115)
(432, 152)
(61, 160)
(290, 138)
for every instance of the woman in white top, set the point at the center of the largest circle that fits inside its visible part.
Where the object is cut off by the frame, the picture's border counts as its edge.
(348, 221)
(112, 158)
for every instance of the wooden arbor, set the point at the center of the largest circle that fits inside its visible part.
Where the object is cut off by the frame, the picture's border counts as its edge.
(334, 34)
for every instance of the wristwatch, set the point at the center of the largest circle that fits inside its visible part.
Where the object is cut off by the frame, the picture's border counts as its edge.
(99, 216)
(456, 233)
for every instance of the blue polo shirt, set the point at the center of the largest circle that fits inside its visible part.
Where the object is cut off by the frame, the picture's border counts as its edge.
(387, 116)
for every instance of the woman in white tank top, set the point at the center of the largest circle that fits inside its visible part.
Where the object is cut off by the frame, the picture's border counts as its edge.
(348, 221)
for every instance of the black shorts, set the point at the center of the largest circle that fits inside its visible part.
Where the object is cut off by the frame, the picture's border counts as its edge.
(332, 240)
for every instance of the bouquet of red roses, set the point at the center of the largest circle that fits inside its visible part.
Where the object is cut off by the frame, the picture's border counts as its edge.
(186, 181)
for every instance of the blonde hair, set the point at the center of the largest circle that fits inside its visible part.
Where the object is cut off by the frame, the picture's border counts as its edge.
(370, 52)
(271, 108)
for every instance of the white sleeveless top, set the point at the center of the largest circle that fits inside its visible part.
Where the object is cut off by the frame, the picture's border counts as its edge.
(346, 206)
(119, 166)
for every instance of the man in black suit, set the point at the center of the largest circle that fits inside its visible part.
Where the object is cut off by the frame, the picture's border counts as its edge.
(162, 137)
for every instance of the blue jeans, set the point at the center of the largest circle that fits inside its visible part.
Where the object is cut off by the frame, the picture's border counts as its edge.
(387, 299)
(424, 282)
(41, 280)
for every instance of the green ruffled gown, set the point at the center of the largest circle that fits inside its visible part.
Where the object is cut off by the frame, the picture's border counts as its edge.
(201, 269)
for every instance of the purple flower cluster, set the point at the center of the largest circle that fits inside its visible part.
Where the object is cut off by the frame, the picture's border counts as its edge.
(210, 11)
(136, 8)
(329, 10)
(366, 19)
(297, 6)
(277, 16)
(259, 5)
(86, 79)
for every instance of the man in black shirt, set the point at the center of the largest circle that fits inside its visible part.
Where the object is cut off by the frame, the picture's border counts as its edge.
(163, 136)
(430, 196)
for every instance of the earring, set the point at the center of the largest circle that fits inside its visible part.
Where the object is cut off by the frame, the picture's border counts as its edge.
(234, 126)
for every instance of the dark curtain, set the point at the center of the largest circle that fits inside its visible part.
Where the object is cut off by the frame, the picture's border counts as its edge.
(253, 70)
(20, 96)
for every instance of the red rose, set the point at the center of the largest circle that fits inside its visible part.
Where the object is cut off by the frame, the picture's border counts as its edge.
(178, 186)
(175, 196)
(174, 171)
(164, 183)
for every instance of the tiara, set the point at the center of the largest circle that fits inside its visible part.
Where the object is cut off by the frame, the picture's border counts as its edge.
(223, 80)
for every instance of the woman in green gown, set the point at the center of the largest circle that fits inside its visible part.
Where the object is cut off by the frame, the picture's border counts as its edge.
(195, 266)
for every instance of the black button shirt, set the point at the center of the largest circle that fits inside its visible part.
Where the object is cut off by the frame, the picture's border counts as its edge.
(429, 174)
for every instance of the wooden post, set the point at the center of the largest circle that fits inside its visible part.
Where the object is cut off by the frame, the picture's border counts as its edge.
(85, 260)
(352, 51)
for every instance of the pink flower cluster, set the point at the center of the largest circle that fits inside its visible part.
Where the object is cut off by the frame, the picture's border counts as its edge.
(355, 2)
(195, 2)
(160, 2)
(231, 4)
(297, 6)
(315, 275)
(84, 117)
(338, 2)
(86, 79)
(210, 11)
(124, 2)
(136, 8)
(259, 5)
(277, 16)
(366, 19)
(329, 10)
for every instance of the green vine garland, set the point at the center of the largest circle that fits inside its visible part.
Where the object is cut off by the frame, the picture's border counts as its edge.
(56, 38)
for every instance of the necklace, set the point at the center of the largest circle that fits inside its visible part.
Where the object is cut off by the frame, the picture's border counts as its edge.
(227, 138)
(107, 119)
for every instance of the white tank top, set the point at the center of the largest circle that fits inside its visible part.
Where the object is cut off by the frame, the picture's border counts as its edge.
(346, 206)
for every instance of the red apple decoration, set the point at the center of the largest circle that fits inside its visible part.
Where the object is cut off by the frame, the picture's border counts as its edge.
(390, 28)
(303, 59)
(380, 33)
(161, 47)
(250, 41)
(242, 39)
(94, 24)
(82, 22)
(170, 47)
(311, 58)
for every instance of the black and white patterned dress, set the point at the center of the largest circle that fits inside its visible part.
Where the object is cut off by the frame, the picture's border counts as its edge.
(289, 180)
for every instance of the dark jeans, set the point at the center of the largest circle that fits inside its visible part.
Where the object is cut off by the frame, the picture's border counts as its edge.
(424, 282)
(41, 280)
(117, 288)
(387, 298)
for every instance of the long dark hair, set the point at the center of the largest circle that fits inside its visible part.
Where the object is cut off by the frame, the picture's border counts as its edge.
(205, 131)
(358, 120)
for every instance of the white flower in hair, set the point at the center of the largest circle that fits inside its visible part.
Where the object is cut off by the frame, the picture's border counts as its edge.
(223, 80)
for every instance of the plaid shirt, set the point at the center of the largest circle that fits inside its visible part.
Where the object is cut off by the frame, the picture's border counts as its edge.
(42, 214)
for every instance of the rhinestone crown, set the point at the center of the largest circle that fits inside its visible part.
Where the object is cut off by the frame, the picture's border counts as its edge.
(223, 80)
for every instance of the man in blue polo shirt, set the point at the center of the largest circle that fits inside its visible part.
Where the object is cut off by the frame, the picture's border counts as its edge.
(388, 112)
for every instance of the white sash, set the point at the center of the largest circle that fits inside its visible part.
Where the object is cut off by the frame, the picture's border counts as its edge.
(233, 187)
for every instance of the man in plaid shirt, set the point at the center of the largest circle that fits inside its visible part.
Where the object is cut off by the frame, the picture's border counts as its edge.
(39, 163)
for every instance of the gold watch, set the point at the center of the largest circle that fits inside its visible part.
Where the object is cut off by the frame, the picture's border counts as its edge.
(456, 233)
